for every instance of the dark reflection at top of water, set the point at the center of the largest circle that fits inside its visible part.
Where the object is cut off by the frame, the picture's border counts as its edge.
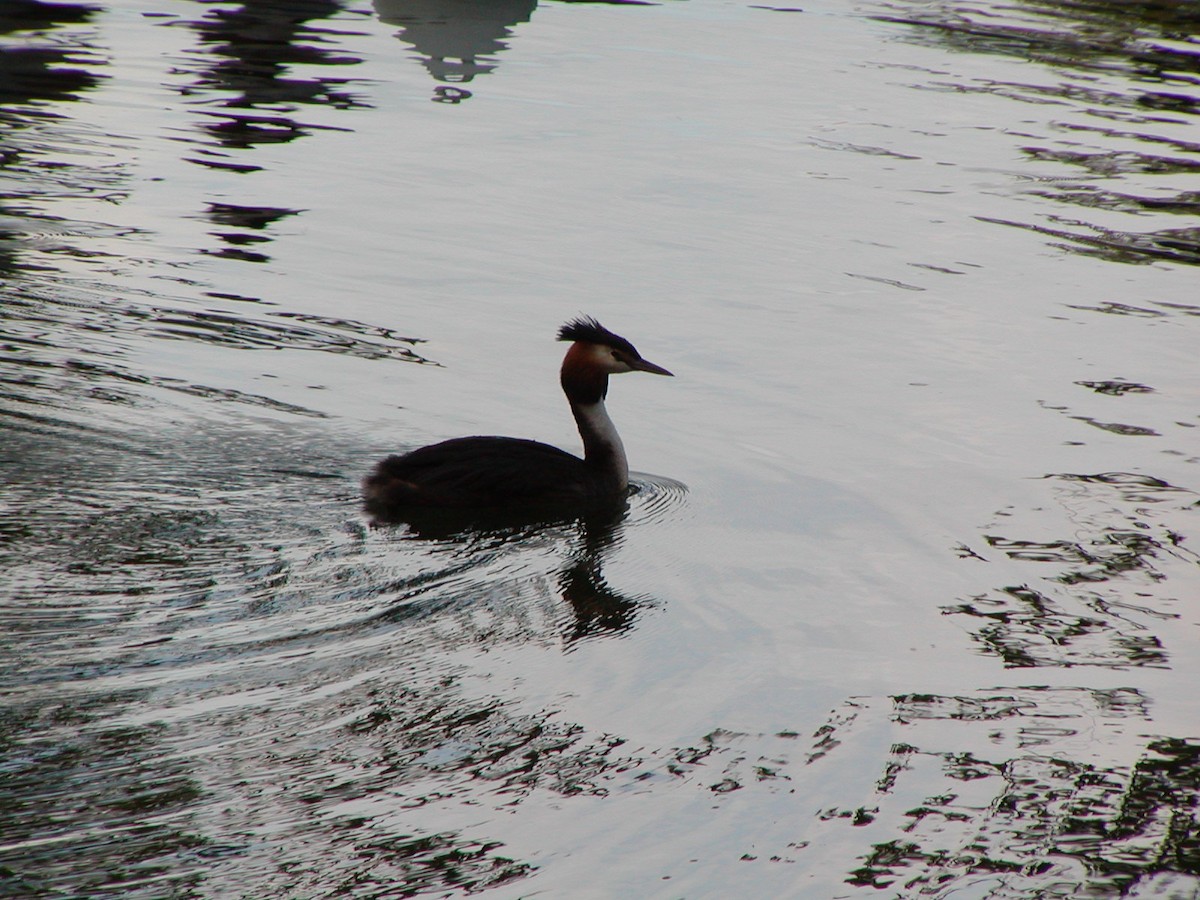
(22, 15)
(37, 66)
(458, 40)
(1094, 34)
(1116, 50)
(33, 72)
(256, 44)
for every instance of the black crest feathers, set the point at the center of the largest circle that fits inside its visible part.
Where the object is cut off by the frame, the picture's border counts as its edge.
(585, 328)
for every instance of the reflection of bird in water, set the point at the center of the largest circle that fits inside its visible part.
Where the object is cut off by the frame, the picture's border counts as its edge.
(503, 472)
(596, 609)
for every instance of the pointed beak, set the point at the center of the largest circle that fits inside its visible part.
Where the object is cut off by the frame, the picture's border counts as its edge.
(643, 365)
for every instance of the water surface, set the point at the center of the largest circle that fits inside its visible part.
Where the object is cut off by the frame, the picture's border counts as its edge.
(904, 603)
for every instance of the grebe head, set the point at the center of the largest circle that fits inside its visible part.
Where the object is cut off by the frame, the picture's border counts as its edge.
(599, 352)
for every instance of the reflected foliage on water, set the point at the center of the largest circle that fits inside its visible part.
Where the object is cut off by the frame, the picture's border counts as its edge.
(255, 49)
(39, 68)
(1133, 38)
(252, 222)
(1078, 612)
(1130, 75)
(243, 95)
(245, 88)
(1009, 789)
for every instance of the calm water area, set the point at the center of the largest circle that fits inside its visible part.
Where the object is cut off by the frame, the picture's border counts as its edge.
(905, 601)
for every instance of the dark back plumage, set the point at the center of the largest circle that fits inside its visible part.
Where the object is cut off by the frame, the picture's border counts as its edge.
(587, 329)
(482, 472)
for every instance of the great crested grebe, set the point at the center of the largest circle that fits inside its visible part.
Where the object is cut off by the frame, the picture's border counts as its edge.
(489, 472)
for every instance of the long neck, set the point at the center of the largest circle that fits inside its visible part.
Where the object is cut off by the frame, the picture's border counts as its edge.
(586, 385)
(602, 447)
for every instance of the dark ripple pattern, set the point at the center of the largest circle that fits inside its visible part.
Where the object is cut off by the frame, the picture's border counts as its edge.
(1003, 817)
(1075, 610)
(1131, 73)
(93, 331)
(167, 657)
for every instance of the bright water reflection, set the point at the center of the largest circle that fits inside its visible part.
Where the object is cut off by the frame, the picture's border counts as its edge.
(922, 622)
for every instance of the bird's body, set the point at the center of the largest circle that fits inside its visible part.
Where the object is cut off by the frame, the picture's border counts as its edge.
(479, 472)
(491, 472)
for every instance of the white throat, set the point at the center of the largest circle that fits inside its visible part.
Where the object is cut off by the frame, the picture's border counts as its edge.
(600, 439)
